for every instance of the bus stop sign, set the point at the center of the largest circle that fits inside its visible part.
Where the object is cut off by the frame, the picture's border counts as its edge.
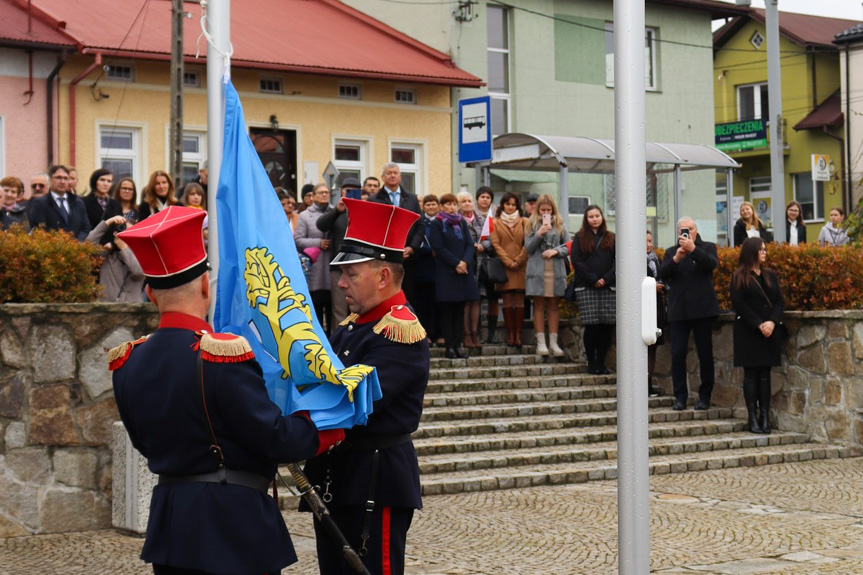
(474, 137)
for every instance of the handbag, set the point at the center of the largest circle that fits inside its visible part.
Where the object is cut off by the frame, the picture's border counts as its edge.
(494, 271)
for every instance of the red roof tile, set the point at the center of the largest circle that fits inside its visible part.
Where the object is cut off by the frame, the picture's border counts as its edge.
(802, 29)
(315, 36)
(828, 113)
(14, 25)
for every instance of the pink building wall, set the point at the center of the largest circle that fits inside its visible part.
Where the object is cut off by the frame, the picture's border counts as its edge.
(24, 144)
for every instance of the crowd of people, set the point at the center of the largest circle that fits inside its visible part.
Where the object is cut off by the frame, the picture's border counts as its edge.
(97, 214)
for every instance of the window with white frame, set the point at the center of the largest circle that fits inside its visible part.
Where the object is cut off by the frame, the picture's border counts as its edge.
(752, 102)
(121, 72)
(406, 96)
(810, 197)
(651, 81)
(194, 154)
(409, 157)
(191, 79)
(760, 184)
(349, 157)
(498, 68)
(351, 91)
(119, 151)
(270, 85)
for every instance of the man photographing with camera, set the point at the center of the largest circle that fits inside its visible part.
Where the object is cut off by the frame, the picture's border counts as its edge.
(687, 269)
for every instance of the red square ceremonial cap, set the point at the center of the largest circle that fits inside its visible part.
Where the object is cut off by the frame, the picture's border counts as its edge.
(169, 245)
(375, 232)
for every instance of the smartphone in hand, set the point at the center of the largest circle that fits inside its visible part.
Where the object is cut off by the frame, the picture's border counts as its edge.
(546, 219)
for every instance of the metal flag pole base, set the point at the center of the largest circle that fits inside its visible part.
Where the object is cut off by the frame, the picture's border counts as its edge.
(307, 491)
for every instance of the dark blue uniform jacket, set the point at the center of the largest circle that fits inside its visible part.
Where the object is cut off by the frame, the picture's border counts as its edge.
(403, 374)
(208, 526)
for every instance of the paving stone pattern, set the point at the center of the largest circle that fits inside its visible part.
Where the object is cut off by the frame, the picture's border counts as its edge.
(796, 518)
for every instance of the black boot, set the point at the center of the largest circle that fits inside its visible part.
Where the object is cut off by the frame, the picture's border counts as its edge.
(750, 395)
(491, 323)
(764, 399)
(589, 339)
(602, 344)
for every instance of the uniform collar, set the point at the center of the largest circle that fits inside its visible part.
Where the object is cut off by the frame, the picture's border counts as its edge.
(179, 320)
(383, 308)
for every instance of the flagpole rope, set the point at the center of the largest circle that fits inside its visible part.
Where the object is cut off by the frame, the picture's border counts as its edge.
(226, 76)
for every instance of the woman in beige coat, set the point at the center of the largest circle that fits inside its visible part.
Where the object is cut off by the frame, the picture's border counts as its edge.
(510, 230)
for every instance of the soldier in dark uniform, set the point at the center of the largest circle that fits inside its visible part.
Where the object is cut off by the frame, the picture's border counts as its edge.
(371, 482)
(194, 404)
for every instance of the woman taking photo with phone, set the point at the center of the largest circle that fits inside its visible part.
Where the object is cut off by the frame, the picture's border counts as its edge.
(758, 308)
(546, 271)
(593, 252)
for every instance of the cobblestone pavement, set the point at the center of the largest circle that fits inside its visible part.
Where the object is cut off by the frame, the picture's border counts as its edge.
(800, 518)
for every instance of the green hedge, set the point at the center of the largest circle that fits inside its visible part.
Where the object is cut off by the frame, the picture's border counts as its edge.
(43, 267)
(813, 278)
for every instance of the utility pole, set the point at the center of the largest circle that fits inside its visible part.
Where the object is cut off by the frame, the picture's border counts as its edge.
(777, 137)
(176, 148)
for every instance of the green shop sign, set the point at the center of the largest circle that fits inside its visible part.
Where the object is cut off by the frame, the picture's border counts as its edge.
(736, 136)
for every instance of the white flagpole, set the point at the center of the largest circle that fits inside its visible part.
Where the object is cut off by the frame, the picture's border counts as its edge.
(216, 20)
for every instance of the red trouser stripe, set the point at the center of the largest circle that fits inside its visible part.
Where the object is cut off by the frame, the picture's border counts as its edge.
(385, 542)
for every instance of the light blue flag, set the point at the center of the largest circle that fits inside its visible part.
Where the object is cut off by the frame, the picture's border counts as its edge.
(262, 293)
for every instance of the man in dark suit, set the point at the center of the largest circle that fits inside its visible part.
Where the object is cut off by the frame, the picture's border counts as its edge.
(60, 210)
(687, 269)
(394, 194)
(371, 482)
(195, 405)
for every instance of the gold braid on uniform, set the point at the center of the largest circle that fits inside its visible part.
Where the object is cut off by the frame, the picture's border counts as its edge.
(352, 318)
(225, 348)
(401, 325)
(117, 356)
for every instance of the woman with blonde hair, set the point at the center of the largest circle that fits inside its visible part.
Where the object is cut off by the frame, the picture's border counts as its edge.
(546, 271)
(749, 225)
(158, 195)
(471, 308)
(510, 230)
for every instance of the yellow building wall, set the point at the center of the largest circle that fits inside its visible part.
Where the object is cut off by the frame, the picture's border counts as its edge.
(740, 63)
(309, 105)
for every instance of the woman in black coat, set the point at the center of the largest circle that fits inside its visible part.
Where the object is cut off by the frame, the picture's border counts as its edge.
(795, 227)
(758, 308)
(749, 225)
(455, 279)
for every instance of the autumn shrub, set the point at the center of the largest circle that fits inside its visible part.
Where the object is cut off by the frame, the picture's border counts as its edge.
(43, 267)
(813, 278)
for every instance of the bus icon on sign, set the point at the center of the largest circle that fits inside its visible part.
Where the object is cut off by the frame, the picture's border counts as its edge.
(474, 122)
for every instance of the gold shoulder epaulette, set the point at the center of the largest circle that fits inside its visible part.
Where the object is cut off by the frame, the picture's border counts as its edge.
(401, 325)
(117, 356)
(352, 318)
(225, 348)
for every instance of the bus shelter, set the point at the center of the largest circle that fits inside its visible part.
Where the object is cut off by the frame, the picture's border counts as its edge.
(578, 154)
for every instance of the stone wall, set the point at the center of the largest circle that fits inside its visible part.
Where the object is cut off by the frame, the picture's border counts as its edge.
(57, 407)
(56, 412)
(818, 390)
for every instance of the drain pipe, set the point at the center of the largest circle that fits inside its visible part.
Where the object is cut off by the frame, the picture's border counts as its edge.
(72, 85)
(49, 100)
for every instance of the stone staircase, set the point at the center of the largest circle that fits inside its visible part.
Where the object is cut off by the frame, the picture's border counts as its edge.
(505, 419)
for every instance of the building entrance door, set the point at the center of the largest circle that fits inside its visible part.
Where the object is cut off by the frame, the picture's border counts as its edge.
(278, 152)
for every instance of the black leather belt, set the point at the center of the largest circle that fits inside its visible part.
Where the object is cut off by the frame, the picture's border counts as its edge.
(224, 476)
(374, 442)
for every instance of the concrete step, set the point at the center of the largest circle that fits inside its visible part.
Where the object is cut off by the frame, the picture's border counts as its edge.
(511, 383)
(490, 360)
(496, 349)
(557, 422)
(523, 396)
(532, 409)
(581, 472)
(497, 371)
(602, 451)
(569, 437)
